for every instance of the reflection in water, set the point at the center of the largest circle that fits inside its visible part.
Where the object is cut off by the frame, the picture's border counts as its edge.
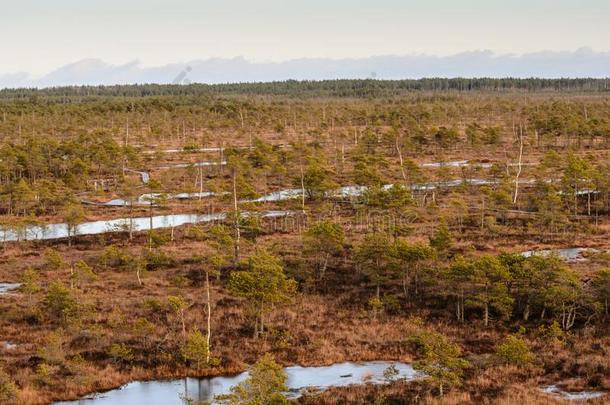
(299, 378)
(57, 231)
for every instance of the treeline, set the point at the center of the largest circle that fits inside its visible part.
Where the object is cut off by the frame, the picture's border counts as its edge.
(334, 88)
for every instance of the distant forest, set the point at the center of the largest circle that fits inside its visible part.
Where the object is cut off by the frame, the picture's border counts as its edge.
(293, 88)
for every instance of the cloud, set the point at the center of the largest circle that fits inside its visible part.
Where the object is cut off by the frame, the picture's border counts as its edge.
(583, 62)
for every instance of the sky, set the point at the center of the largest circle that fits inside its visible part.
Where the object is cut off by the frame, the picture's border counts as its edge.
(38, 36)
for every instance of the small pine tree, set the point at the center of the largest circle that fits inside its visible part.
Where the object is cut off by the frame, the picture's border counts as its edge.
(196, 349)
(264, 285)
(81, 272)
(8, 389)
(59, 302)
(442, 240)
(120, 353)
(440, 360)
(514, 350)
(30, 285)
(601, 289)
(179, 305)
(53, 259)
(265, 385)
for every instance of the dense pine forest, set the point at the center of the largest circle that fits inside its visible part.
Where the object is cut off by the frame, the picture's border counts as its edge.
(163, 231)
(299, 89)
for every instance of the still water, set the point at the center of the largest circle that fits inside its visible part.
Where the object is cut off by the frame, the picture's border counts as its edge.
(299, 378)
(57, 231)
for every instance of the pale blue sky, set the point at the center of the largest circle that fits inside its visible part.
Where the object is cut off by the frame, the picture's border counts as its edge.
(39, 35)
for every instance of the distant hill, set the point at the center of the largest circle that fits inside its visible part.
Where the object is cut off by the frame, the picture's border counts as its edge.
(583, 62)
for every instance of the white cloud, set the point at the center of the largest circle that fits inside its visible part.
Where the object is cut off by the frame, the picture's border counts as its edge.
(583, 62)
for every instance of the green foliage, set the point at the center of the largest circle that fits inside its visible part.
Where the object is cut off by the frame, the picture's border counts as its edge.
(376, 304)
(179, 281)
(440, 360)
(390, 304)
(316, 179)
(60, 303)
(490, 277)
(411, 258)
(73, 214)
(446, 137)
(53, 352)
(375, 256)
(395, 198)
(157, 258)
(263, 285)
(177, 303)
(220, 238)
(8, 388)
(82, 273)
(113, 256)
(53, 259)
(601, 289)
(120, 353)
(482, 283)
(321, 241)
(265, 385)
(367, 173)
(281, 339)
(514, 350)
(44, 374)
(476, 134)
(154, 305)
(196, 349)
(143, 327)
(552, 333)
(29, 283)
(442, 240)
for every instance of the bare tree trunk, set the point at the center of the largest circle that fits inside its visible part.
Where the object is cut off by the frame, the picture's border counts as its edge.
(183, 324)
(302, 190)
(209, 317)
(519, 165)
(526, 312)
(236, 221)
(131, 220)
(201, 178)
(483, 214)
(222, 156)
(125, 144)
(402, 168)
(150, 223)
(324, 266)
